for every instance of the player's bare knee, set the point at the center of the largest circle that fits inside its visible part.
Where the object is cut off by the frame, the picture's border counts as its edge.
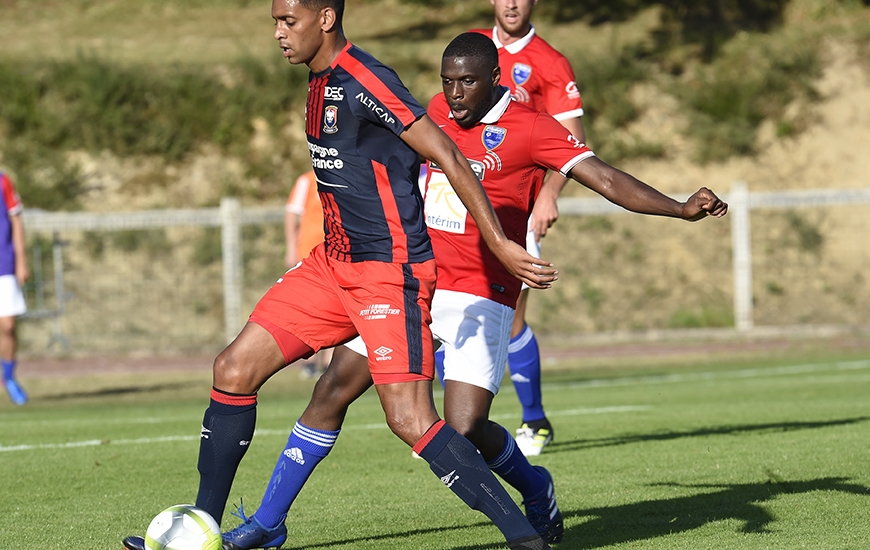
(406, 425)
(229, 375)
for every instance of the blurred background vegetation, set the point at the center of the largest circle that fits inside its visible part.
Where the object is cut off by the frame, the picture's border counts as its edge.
(111, 105)
(163, 79)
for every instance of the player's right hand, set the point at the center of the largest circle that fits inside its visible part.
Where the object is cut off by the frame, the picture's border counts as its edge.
(704, 203)
(535, 272)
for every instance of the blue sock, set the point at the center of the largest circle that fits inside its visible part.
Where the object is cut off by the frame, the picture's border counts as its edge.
(305, 448)
(513, 467)
(462, 469)
(524, 361)
(9, 369)
(227, 429)
(439, 365)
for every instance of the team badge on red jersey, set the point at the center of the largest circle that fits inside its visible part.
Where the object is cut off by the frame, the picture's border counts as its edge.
(520, 73)
(492, 136)
(330, 119)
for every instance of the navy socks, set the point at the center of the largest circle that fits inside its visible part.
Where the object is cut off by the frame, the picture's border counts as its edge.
(464, 471)
(227, 429)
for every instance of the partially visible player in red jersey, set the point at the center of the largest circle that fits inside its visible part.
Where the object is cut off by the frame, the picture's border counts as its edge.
(541, 77)
(374, 275)
(303, 230)
(303, 219)
(510, 147)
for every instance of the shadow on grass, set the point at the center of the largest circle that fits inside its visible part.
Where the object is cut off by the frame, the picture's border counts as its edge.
(118, 391)
(563, 446)
(656, 518)
(598, 527)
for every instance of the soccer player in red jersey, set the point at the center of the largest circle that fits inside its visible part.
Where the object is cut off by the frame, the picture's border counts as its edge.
(541, 77)
(374, 275)
(303, 230)
(510, 147)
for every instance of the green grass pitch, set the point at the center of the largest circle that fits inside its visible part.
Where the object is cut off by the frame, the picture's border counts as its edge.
(736, 452)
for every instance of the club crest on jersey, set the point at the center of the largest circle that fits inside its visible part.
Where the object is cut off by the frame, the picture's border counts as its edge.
(330, 119)
(520, 73)
(493, 136)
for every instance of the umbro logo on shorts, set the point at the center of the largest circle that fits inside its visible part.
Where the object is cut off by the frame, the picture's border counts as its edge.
(383, 353)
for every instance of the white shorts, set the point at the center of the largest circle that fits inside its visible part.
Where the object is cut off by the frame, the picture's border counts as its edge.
(11, 299)
(533, 246)
(474, 333)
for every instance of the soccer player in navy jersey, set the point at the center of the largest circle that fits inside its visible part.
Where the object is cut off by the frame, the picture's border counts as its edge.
(510, 147)
(374, 275)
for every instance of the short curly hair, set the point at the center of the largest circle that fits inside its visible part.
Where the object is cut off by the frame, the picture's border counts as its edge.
(473, 44)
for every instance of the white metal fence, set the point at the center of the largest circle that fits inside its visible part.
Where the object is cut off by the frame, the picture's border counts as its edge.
(173, 280)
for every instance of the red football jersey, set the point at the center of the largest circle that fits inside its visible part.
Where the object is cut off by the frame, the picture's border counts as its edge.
(510, 150)
(538, 75)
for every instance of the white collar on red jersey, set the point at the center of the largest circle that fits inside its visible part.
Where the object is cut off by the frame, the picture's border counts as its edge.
(498, 109)
(514, 47)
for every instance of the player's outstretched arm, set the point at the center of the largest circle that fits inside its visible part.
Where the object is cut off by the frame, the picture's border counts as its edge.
(432, 143)
(632, 194)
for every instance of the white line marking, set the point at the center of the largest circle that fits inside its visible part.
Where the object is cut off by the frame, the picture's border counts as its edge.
(641, 380)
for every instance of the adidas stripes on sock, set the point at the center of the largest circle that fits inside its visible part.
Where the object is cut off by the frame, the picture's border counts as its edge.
(227, 429)
(306, 447)
(524, 361)
(513, 467)
(463, 470)
(9, 370)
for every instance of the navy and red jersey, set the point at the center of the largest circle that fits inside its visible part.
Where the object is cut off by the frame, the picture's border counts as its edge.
(366, 175)
(510, 150)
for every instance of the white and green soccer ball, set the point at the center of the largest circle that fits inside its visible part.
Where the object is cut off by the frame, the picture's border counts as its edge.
(183, 527)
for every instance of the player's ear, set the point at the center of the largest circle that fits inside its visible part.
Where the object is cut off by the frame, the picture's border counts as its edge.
(327, 19)
(496, 76)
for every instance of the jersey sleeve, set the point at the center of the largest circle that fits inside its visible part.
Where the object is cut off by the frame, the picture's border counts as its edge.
(10, 196)
(561, 96)
(554, 147)
(380, 97)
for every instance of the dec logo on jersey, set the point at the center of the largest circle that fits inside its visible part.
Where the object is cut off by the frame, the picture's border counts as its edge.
(333, 93)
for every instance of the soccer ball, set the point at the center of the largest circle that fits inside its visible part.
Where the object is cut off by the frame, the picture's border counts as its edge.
(183, 527)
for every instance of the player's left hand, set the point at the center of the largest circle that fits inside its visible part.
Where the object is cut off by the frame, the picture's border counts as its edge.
(702, 204)
(535, 272)
(544, 215)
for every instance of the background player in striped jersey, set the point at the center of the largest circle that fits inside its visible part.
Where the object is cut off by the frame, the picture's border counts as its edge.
(374, 275)
(510, 146)
(541, 77)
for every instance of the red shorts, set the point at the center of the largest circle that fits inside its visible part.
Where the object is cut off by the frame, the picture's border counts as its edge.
(325, 302)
